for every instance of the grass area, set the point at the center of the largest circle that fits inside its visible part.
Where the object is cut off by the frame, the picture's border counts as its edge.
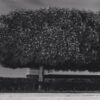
(51, 85)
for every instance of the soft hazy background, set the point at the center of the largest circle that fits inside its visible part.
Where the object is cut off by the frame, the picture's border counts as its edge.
(9, 5)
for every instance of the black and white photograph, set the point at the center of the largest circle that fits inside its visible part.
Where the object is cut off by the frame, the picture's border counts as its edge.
(50, 49)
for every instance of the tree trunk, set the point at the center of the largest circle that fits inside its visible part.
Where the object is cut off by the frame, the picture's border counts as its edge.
(41, 74)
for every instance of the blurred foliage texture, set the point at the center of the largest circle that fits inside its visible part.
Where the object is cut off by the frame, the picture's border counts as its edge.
(56, 38)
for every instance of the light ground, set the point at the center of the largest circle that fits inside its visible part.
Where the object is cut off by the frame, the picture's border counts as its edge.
(49, 96)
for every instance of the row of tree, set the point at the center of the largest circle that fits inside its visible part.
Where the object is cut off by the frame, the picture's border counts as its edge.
(56, 38)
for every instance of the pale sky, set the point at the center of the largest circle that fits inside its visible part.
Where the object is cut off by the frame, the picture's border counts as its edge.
(9, 5)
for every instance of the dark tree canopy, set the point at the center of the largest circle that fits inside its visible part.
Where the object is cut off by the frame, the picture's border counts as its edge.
(57, 38)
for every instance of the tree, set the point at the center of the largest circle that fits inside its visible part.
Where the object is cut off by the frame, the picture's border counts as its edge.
(54, 38)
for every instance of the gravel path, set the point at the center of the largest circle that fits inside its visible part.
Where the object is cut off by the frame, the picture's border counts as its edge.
(49, 96)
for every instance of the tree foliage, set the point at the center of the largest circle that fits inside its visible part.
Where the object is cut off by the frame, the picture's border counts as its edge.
(57, 38)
